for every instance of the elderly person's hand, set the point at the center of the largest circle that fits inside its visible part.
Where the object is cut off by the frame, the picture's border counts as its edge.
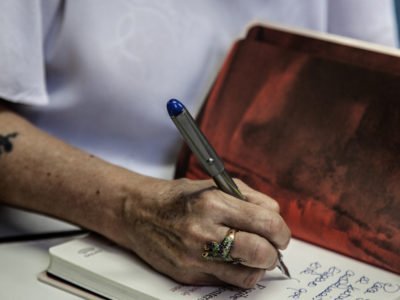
(166, 222)
(169, 224)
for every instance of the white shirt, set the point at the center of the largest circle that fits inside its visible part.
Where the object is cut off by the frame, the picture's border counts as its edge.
(98, 73)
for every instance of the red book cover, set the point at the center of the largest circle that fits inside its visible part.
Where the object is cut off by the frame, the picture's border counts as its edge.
(315, 124)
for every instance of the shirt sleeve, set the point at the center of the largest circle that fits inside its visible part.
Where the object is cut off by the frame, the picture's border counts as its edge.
(22, 67)
(368, 20)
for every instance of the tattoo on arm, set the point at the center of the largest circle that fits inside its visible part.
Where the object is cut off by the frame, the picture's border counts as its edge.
(5, 142)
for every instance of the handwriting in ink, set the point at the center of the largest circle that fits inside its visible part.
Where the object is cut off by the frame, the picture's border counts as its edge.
(5, 142)
(312, 268)
(380, 286)
(347, 293)
(190, 290)
(176, 288)
(296, 293)
(322, 277)
(244, 293)
(343, 280)
(342, 283)
(213, 294)
(363, 280)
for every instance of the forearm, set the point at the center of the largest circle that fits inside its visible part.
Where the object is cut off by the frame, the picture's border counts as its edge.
(167, 223)
(43, 174)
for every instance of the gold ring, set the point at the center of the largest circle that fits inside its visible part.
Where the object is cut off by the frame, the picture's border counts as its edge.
(221, 251)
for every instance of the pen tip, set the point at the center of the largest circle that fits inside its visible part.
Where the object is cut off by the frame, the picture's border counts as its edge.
(174, 107)
(281, 266)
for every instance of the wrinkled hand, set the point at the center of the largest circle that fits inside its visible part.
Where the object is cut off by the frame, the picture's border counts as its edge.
(169, 224)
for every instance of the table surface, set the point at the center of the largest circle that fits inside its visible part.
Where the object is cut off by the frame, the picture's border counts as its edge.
(21, 262)
(18, 223)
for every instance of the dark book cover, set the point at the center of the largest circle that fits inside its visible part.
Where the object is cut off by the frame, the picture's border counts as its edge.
(315, 124)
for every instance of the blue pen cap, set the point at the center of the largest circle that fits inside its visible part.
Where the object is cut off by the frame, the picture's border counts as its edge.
(175, 107)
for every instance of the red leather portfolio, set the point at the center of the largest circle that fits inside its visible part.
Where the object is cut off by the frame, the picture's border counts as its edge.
(314, 122)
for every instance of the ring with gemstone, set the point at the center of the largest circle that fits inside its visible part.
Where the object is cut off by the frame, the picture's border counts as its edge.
(221, 251)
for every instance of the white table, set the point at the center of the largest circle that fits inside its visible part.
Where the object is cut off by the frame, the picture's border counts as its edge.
(18, 223)
(21, 262)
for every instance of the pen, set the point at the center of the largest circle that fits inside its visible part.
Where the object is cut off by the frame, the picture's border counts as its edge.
(207, 156)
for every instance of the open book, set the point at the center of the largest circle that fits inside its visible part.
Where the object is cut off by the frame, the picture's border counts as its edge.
(313, 121)
(108, 271)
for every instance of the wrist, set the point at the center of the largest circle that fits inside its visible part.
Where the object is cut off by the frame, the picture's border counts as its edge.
(109, 193)
(120, 204)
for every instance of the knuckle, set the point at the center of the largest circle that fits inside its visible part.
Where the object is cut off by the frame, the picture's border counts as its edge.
(191, 228)
(258, 255)
(194, 231)
(208, 202)
(208, 193)
(275, 206)
(205, 204)
(274, 224)
(252, 278)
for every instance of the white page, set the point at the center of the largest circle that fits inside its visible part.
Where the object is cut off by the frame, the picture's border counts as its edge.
(317, 274)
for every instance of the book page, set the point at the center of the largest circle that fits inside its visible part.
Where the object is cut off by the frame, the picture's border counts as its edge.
(316, 274)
